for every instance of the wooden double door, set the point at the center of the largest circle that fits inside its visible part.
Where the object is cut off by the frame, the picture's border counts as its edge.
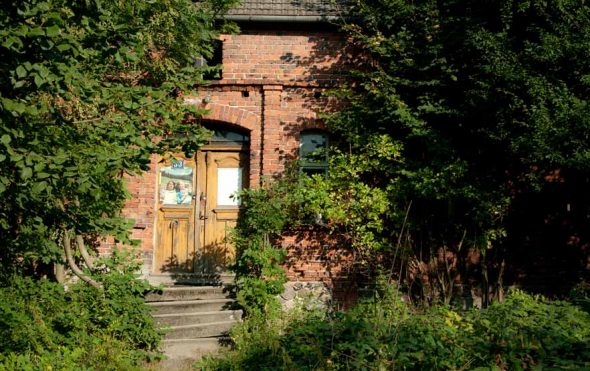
(197, 208)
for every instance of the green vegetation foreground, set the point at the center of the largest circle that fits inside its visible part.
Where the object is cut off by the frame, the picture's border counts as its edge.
(386, 333)
(89, 91)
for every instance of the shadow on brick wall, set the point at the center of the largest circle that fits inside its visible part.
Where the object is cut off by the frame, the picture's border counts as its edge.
(314, 254)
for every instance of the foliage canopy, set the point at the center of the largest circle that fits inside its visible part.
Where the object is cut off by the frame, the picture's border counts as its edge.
(485, 99)
(88, 91)
(474, 117)
(465, 139)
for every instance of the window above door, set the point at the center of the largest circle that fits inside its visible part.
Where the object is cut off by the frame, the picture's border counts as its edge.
(226, 137)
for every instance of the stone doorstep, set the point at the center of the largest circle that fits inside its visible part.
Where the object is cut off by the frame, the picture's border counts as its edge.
(176, 293)
(175, 319)
(191, 306)
(195, 279)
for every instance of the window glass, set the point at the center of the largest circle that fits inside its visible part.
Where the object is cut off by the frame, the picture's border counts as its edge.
(228, 136)
(313, 152)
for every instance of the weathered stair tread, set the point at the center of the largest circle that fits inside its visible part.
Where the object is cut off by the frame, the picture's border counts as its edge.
(201, 325)
(229, 312)
(195, 301)
(177, 293)
(192, 349)
(195, 279)
(177, 319)
(199, 330)
(190, 306)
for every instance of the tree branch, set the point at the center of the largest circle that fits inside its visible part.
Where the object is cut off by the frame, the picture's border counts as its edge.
(67, 242)
(89, 260)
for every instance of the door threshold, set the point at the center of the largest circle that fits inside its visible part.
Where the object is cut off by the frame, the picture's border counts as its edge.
(192, 279)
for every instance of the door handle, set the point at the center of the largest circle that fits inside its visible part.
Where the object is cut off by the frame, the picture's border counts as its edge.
(173, 224)
(203, 214)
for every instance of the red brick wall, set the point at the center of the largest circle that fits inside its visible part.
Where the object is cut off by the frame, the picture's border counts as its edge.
(313, 255)
(141, 208)
(278, 57)
(271, 87)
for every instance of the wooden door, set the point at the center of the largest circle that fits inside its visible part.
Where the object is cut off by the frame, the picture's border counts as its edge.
(221, 174)
(175, 234)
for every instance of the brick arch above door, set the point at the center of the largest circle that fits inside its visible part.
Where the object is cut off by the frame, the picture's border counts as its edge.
(241, 118)
(232, 115)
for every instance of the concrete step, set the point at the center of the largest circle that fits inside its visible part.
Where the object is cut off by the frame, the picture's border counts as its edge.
(188, 293)
(191, 306)
(179, 350)
(175, 319)
(201, 330)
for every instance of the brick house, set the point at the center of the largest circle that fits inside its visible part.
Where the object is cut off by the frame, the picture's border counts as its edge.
(264, 112)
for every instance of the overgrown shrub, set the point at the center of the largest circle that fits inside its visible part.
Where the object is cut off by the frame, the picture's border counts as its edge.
(580, 294)
(526, 331)
(266, 213)
(387, 333)
(337, 203)
(43, 326)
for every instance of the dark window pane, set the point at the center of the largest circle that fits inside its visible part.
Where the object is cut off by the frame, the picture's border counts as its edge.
(314, 147)
(313, 152)
(213, 61)
(228, 136)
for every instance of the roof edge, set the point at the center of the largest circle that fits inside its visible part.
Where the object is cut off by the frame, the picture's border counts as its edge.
(282, 18)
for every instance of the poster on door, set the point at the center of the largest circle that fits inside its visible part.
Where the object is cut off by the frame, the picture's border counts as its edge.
(176, 184)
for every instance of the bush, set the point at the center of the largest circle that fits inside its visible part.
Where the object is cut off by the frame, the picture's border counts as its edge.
(527, 331)
(386, 333)
(580, 294)
(43, 326)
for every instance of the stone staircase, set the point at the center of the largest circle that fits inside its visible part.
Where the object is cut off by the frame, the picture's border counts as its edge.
(197, 319)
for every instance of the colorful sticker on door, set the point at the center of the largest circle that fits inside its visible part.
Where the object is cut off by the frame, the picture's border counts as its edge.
(176, 184)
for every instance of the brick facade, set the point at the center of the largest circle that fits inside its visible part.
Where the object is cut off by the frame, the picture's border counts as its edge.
(315, 255)
(271, 87)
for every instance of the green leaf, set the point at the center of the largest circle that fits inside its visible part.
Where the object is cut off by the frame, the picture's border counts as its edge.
(63, 47)
(21, 72)
(5, 139)
(39, 187)
(52, 31)
(39, 81)
(13, 40)
(26, 173)
(36, 31)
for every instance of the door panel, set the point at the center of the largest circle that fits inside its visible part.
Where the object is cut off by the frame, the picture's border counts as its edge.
(175, 239)
(222, 176)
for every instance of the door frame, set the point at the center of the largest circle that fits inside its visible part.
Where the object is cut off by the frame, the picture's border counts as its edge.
(200, 173)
